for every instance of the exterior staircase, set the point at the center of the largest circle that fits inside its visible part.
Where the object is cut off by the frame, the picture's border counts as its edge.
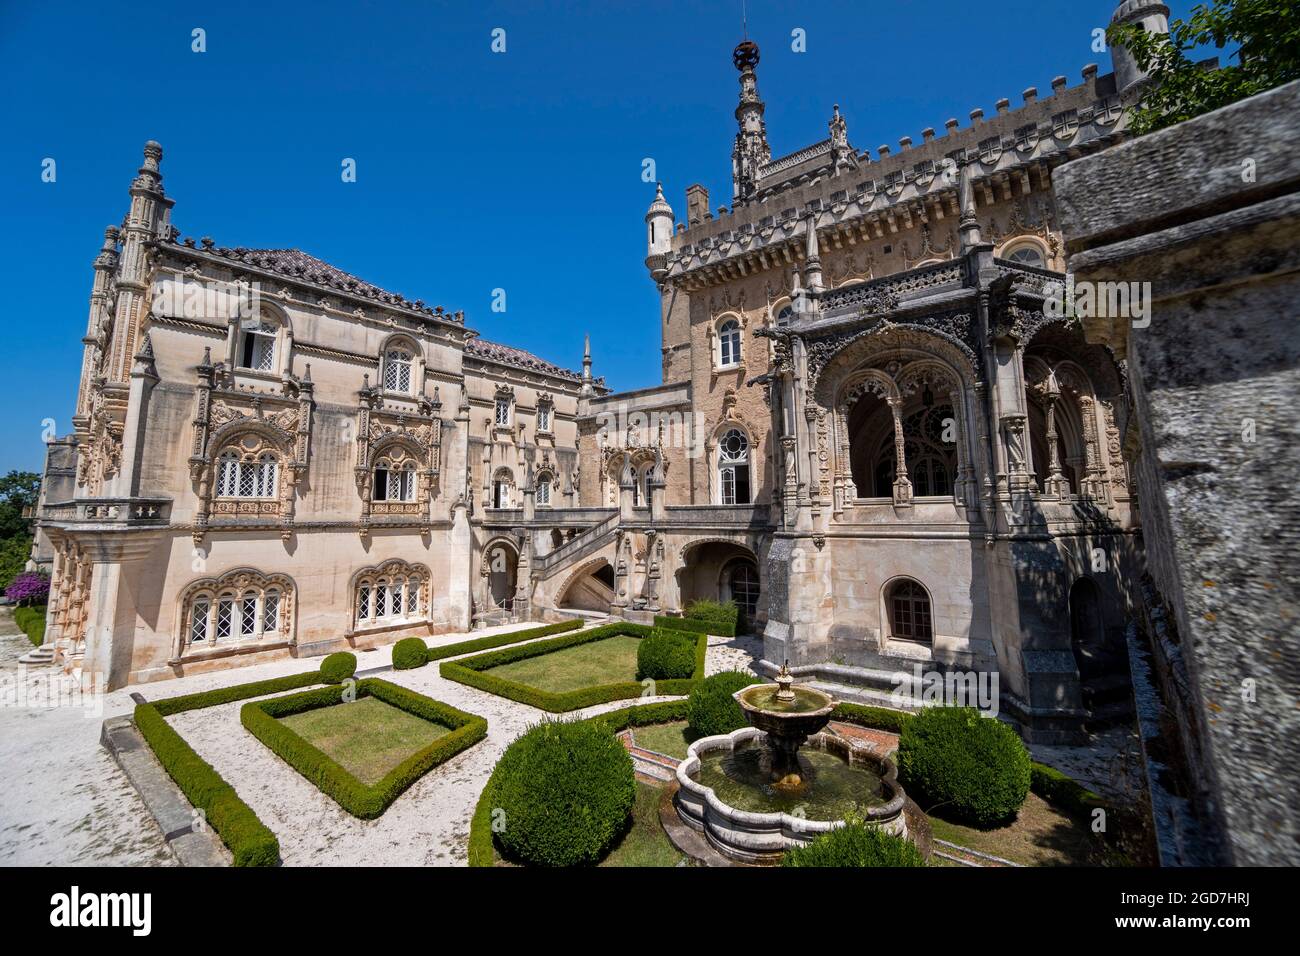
(576, 549)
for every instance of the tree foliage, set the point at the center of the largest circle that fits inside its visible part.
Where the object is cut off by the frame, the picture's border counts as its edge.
(1265, 32)
(18, 490)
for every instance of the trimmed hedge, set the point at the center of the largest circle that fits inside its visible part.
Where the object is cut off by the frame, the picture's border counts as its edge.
(250, 841)
(712, 709)
(228, 695)
(695, 625)
(410, 653)
(973, 768)
(565, 791)
(470, 671)
(31, 621)
(881, 718)
(1058, 789)
(665, 655)
(336, 668)
(481, 849)
(855, 844)
(498, 640)
(359, 799)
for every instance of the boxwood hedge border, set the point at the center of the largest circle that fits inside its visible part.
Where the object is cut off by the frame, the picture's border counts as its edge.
(497, 640)
(695, 625)
(470, 671)
(362, 800)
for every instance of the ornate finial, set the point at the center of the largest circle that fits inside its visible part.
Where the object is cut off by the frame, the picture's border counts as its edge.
(745, 56)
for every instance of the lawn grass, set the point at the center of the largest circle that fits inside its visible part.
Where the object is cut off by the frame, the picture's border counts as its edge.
(610, 660)
(645, 843)
(367, 737)
(670, 739)
(1041, 835)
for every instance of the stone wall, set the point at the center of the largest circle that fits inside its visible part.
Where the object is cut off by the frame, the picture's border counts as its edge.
(1208, 213)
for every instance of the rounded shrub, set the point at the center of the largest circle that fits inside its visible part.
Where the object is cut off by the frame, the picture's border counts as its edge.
(410, 652)
(336, 668)
(712, 710)
(665, 655)
(855, 844)
(966, 767)
(565, 791)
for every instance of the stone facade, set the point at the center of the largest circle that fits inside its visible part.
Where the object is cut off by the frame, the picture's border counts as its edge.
(872, 433)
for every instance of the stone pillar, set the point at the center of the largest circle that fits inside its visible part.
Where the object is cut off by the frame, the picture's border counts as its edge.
(902, 484)
(1054, 483)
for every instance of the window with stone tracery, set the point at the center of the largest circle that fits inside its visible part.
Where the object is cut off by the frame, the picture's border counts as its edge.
(501, 417)
(1025, 253)
(394, 481)
(239, 607)
(241, 475)
(392, 594)
(543, 490)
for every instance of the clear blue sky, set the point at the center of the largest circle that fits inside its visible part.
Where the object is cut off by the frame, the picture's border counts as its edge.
(475, 170)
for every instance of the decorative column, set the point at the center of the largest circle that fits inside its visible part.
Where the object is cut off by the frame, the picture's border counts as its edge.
(1055, 483)
(902, 484)
(1013, 434)
(1094, 482)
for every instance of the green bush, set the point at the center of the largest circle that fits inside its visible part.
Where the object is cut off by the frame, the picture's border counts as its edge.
(712, 709)
(1060, 791)
(31, 621)
(470, 671)
(970, 768)
(855, 844)
(261, 719)
(665, 655)
(718, 612)
(336, 668)
(250, 841)
(481, 850)
(409, 653)
(565, 790)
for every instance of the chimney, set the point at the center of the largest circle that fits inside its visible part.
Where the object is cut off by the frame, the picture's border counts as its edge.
(697, 204)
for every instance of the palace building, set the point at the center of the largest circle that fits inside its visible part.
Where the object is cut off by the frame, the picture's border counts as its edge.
(873, 432)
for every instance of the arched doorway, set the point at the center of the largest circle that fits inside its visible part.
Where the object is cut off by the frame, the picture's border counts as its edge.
(722, 571)
(503, 567)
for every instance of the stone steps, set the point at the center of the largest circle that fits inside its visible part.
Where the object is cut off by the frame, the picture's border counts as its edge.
(38, 656)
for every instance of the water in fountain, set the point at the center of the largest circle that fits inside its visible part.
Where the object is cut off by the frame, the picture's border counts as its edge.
(829, 788)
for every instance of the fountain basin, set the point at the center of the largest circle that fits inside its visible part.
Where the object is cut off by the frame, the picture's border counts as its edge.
(755, 836)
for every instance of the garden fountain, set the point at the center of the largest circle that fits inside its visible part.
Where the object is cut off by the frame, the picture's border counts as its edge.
(783, 781)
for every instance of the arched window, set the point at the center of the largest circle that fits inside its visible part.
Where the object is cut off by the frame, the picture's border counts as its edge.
(239, 477)
(502, 412)
(258, 350)
(1026, 253)
(394, 482)
(242, 605)
(391, 594)
(502, 487)
(785, 314)
(733, 468)
(397, 371)
(729, 343)
(543, 417)
(909, 612)
(543, 490)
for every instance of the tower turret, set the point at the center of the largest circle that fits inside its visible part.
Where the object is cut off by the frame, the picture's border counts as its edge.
(1153, 17)
(751, 151)
(659, 233)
